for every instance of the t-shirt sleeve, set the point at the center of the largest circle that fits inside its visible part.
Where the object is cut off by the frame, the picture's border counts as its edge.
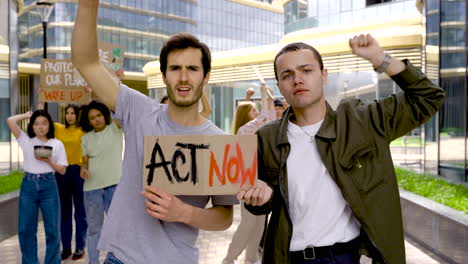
(130, 105)
(84, 145)
(58, 129)
(224, 200)
(60, 154)
(23, 139)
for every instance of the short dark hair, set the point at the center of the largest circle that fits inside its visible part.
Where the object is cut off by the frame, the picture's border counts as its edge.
(295, 47)
(278, 102)
(182, 41)
(35, 115)
(84, 120)
(76, 109)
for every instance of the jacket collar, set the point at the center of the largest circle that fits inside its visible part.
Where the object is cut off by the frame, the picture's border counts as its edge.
(326, 131)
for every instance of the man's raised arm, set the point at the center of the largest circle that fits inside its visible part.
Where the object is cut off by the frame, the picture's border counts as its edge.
(85, 55)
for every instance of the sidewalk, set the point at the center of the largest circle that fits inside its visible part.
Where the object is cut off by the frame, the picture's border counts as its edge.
(213, 247)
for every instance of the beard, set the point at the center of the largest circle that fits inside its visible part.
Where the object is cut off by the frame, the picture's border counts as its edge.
(184, 101)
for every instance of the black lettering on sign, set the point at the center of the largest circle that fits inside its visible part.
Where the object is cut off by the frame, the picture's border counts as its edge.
(178, 155)
(153, 165)
(193, 155)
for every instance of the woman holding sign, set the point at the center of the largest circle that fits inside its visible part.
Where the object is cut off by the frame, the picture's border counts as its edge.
(102, 165)
(70, 185)
(249, 233)
(43, 155)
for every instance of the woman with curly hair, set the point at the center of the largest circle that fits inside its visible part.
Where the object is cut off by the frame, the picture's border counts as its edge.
(101, 169)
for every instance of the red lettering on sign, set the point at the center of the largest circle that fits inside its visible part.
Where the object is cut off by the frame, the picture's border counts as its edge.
(54, 95)
(76, 95)
(247, 174)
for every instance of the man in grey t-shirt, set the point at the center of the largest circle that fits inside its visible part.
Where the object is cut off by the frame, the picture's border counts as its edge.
(147, 225)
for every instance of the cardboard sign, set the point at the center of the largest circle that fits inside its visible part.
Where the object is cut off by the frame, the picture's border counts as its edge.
(112, 56)
(59, 83)
(201, 164)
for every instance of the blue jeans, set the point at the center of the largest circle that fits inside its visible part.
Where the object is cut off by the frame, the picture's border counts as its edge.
(111, 259)
(97, 202)
(70, 188)
(39, 191)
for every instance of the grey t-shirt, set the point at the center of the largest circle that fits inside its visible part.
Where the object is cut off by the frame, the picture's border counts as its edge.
(129, 232)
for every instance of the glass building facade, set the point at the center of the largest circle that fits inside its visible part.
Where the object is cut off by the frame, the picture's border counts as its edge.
(447, 60)
(305, 14)
(9, 96)
(142, 26)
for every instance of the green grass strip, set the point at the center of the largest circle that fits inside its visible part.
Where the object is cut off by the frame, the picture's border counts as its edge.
(436, 189)
(10, 182)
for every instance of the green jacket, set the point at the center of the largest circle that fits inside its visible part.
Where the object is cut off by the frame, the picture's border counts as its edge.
(353, 143)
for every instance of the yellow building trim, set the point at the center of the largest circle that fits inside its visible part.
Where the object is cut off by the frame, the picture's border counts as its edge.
(453, 72)
(352, 29)
(432, 54)
(29, 68)
(35, 69)
(388, 39)
(285, 2)
(30, 53)
(4, 53)
(275, 6)
(333, 63)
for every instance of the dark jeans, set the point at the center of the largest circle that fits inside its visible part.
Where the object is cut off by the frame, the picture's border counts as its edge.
(111, 259)
(70, 188)
(39, 191)
(346, 258)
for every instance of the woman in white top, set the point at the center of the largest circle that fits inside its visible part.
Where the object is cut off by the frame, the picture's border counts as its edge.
(43, 155)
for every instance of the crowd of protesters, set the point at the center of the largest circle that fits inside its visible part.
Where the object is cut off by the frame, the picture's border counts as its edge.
(71, 171)
(318, 168)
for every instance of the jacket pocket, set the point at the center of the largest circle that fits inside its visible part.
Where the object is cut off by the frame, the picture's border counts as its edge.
(360, 164)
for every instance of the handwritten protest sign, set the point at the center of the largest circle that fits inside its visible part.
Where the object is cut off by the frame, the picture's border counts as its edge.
(59, 83)
(200, 164)
(111, 55)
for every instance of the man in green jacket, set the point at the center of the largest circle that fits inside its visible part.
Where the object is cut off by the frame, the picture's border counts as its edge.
(327, 175)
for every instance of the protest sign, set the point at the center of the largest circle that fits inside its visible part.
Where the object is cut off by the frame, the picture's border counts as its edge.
(59, 83)
(112, 56)
(200, 164)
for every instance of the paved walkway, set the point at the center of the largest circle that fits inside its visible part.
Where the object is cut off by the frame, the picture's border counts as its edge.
(213, 247)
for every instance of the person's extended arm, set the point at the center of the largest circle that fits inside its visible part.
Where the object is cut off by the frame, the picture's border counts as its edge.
(398, 114)
(169, 208)
(12, 122)
(267, 98)
(366, 47)
(206, 110)
(85, 54)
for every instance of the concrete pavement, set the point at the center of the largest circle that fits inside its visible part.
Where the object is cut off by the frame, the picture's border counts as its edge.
(213, 247)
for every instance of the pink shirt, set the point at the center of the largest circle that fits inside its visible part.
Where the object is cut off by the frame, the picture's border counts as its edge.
(252, 126)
